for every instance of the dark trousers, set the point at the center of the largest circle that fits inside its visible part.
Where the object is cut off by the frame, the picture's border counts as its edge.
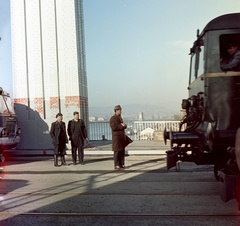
(59, 149)
(80, 151)
(119, 157)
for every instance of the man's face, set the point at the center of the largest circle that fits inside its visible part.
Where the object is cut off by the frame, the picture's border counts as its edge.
(59, 118)
(76, 116)
(232, 50)
(118, 111)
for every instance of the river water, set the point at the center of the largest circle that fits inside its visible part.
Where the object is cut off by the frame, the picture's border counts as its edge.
(99, 129)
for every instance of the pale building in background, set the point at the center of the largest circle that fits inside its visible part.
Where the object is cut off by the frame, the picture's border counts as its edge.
(48, 66)
(140, 116)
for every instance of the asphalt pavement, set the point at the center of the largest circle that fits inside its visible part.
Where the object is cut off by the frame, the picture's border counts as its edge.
(34, 192)
(104, 147)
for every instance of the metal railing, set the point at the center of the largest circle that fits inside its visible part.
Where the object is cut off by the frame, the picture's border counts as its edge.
(157, 125)
(102, 130)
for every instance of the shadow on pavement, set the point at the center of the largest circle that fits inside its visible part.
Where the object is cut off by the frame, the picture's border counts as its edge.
(124, 197)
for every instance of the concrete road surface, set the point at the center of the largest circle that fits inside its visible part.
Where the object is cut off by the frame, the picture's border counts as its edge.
(34, 192)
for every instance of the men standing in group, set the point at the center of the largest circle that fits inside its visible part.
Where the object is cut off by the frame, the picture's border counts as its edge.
(59, 139)
(118, 138)
(77, 134)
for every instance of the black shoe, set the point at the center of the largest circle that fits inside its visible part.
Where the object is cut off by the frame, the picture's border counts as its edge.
(82, 163)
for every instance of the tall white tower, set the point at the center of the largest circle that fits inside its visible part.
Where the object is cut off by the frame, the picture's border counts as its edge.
(48, 66)
(140, 116)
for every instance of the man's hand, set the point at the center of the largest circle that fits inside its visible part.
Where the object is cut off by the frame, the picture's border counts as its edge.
(124, 125)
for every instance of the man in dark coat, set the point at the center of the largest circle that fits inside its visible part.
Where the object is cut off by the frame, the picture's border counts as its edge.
(77, 133)
(118, 138)
(59, 139)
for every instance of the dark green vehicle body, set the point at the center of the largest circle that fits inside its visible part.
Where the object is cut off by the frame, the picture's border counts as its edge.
(212, 109)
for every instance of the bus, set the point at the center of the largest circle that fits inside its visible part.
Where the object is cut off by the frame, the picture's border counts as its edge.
(9, 129)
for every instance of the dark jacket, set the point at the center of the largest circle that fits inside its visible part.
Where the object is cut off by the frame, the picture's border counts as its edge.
(77, 136)
(55, 132)
(233, 64)
(118, 134)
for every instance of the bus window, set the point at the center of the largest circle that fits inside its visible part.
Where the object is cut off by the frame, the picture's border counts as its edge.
(193, 74)
(201, 61)
(230, 52)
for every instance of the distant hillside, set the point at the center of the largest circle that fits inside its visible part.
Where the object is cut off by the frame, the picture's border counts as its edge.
(150, 112)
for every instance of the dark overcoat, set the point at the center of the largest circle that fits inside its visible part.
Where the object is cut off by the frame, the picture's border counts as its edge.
(77, 137)
(118, 134)
(55, 132)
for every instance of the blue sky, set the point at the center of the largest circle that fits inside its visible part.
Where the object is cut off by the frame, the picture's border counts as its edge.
(136, 50)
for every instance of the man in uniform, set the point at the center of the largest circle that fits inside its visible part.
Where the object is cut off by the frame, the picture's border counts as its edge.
(233, 63)
(77, 134)
(59, 139)
(119, 139)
